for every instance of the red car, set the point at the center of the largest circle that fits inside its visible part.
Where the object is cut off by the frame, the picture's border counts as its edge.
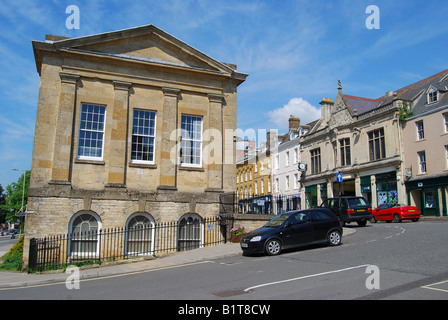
(395, 212)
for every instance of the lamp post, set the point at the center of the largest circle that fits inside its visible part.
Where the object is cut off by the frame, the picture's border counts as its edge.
(23, 187)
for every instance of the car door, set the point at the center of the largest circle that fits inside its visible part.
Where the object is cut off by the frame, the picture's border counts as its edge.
(384, 212)
(322, 223)
(332, 204)
(299, 230)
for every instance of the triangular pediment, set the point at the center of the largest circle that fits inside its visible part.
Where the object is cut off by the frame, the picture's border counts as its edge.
(341, 114)
(147, 43)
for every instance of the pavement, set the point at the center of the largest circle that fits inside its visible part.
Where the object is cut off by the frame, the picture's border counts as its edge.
(19, 279)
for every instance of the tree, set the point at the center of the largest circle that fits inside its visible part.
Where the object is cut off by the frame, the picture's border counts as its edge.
(13, 197)
(3, 210)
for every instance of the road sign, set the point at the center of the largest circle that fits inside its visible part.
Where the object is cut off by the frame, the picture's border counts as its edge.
(339, 177)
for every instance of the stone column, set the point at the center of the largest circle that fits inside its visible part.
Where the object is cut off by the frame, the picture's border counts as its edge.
(330, 193)
(358, 185)
(63, 147)
(169, 160)
(119, 132)
(373, 191)
(213, 152)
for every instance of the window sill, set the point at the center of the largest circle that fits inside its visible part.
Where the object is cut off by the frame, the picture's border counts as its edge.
(94, 162)
(198, 169)
(142, 165)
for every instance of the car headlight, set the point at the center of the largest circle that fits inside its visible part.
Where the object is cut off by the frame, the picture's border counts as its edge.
(255, 239)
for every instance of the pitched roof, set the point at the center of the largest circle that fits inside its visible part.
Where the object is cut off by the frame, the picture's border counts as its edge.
(361, 105)
(142, 42)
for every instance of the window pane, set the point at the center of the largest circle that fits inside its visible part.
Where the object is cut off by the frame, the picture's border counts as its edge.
(143, 134)
(191, 140)
(91, 131)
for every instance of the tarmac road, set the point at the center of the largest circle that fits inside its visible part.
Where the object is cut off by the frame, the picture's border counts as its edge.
(411, 260)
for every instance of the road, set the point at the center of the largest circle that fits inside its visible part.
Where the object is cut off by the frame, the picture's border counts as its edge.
(410, 261)
(6, 243)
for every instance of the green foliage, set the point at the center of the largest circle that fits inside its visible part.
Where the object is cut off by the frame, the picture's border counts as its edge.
(11, 200)
(12, 261)
(405, 111)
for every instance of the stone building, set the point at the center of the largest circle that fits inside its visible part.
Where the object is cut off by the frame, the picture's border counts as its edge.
(253, 183)
(132, 126)
(360, 139)
(425, 142)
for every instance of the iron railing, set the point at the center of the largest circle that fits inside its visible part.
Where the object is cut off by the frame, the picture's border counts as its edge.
(98, 246)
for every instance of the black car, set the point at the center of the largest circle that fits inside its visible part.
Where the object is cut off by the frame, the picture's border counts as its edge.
(294, 229)
(350, 209)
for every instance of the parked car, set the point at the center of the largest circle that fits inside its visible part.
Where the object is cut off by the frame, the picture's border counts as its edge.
(395, 212)
(4, 232)
(294, 229)
(349, 209)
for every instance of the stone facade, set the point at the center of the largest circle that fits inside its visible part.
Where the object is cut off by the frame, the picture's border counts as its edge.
(360, 139)
(425, 142)
(108, 169)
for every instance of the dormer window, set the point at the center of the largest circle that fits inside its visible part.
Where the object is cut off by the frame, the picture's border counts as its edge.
(433, 95)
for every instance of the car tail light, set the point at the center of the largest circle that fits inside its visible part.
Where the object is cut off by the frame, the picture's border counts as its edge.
(369, 210)
(350, 211)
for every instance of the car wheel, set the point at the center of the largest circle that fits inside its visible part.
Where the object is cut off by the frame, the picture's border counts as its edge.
(334, 238)
(273, 247)
(362, 223)
(397, 218)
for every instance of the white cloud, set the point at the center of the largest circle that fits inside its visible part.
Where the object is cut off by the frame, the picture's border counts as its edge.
(297, 107)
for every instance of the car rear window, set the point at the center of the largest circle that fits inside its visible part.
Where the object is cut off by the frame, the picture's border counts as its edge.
(357, 202)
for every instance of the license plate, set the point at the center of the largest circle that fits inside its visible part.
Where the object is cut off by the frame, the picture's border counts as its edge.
(361, 210)
(411, 210)
(244, 245)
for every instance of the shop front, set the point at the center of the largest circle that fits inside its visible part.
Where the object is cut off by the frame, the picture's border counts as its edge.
(429, 195)
(386, 188)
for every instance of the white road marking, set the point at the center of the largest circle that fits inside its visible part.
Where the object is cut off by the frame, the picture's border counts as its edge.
(429, 286)
(304, 277)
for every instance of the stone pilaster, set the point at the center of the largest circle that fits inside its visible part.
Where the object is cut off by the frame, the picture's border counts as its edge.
(63, 148)
(118, 140)
(213, 155)
(168, 161)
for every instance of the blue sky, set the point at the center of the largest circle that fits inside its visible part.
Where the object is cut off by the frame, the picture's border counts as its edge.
(294, 52)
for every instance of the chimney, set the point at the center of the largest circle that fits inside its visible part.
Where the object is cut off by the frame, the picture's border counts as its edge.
(271, 139)
(294, 123)
(326, 105)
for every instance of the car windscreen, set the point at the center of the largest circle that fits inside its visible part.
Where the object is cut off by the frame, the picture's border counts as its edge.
(357, 202)
(276, 222)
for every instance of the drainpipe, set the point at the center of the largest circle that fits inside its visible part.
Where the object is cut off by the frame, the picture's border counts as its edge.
(400, 150)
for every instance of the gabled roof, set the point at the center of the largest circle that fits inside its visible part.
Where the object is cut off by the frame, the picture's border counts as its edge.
(146, 44)
(361, 105)
(410, 92)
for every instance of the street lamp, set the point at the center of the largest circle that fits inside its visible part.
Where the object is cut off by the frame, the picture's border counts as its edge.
(23, 187)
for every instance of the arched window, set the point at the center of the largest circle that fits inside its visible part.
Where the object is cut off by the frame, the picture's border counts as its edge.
(83, 229)
(140, 235)
(190, 233)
